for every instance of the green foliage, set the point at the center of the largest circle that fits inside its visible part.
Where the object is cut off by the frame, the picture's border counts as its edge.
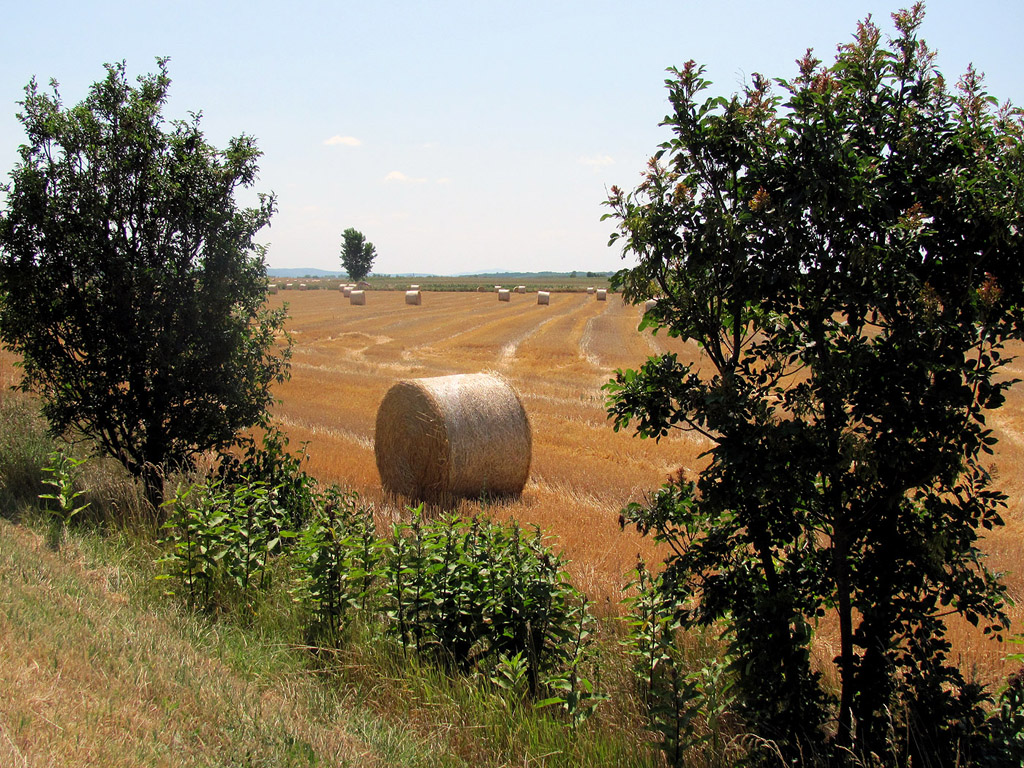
(687, 703)
(847, 256)
(221, 539)
(24, 451)
(339, 560)
(270, 462)
(63, 500)
(357, 254)
(131, 285)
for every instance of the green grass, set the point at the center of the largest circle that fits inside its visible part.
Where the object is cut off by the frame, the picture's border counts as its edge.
(100, 667)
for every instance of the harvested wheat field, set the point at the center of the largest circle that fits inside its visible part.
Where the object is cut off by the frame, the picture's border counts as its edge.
(557, 357)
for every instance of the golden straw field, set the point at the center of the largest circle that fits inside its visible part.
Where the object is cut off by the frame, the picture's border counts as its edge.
(557, 356)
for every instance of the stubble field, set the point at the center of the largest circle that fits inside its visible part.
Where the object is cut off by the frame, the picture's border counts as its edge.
(583, 473)
(558, 357)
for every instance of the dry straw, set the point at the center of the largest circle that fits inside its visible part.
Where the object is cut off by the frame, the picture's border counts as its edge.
(504, 295)
(357, 297)
(543, 297)
(460, 436)
(413, 297)
(602, 294)
(590, 289)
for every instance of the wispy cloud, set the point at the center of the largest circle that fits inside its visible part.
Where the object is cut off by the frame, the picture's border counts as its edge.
(444, 180)
(597, 161)
(400, 178)
(347, 141)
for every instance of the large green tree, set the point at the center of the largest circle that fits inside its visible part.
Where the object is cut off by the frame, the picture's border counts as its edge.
(130, 281)
(848, 256)
(357, 254)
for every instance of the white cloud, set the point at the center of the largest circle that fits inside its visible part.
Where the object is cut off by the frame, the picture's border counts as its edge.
(597, 161)
(348, 141)
(401, 178)
(444, 180)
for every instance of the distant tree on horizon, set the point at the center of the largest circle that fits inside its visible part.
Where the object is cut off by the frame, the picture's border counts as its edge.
(357, 254)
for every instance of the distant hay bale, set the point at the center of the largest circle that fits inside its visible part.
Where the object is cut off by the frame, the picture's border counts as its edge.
(504, 295)
(289, 286)
(650, 304)
(346, 290)
(413, 297)
(302, 286)
(590, 289)
(602, 294)
(357, 297)
(362, 285)
(414, 287)
(497, 287)
(520, 289)
(543, 297)
(481, 289)
(456, 436)
(271, 288)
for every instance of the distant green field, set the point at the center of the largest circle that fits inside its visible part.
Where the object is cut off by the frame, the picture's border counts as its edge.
(560, 283)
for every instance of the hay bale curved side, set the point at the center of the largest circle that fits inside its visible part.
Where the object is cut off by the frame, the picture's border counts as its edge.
(413, 297)
(543, 297)
(453, 436)
(357, 297)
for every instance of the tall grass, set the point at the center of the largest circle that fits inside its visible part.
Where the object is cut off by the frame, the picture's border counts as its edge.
(24, 450)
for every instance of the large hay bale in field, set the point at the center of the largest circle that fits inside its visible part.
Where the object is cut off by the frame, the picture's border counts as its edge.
(357, 297)
(590, 289)
(504, 295)
(456, 436)
(543, 297)
(413, 297)
(602, 294)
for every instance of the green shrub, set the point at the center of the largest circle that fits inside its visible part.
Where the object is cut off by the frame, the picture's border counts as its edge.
(24, 449)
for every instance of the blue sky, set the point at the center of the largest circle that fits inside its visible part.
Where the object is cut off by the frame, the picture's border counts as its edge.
(456, 135)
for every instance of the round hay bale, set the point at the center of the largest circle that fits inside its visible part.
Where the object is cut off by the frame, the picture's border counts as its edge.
(413, 297)
(271, 289)
(504, 295)
(453, 436)
(357, 297)
(481, 289)
(302, 286)
(346, 290)
(543, 297)
(590, 289)
(414, 287)
(602, 294)
(520, 289)
(650, 304)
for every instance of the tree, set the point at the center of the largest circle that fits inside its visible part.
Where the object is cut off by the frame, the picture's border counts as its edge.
(357, 254)
(130, 282)
(847, 256)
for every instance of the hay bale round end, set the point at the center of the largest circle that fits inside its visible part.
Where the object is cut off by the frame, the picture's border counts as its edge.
(504, 295)
(460, 436)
